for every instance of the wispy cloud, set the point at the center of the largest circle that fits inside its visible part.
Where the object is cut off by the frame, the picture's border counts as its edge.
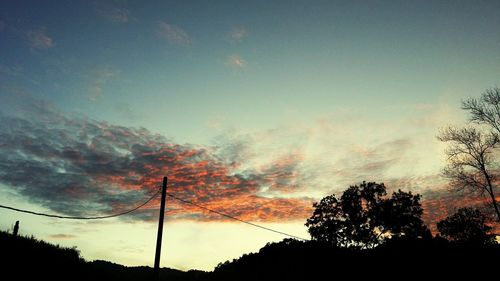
(113, 11)
(363, 162)
(173, 34)
(39, 39)
(215, 121)
(11, 70)
(328, 154)
(237, 34)
(98, 79)
(62, 236)
(125, 111)
(236, 61)
(439, 203)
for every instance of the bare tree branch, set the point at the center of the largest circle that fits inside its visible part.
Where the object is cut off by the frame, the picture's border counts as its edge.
(470, 155)
(485, 110)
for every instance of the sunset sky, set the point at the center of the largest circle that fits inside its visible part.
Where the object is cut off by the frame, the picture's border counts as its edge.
(254, 109)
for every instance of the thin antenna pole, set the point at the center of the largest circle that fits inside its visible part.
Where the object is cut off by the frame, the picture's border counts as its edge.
(160, 230)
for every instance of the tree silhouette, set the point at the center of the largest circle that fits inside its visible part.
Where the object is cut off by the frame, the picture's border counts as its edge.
(470, 161)
(467, 225)
(485, 110)
(363, 217)
(471, 164)
(400, 216)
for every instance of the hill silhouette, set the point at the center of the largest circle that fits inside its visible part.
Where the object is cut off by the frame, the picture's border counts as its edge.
(364, 233)
(28, 258)
(106, 270)
(396, 259)
(32, 259)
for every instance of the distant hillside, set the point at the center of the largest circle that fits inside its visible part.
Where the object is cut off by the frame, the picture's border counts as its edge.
(105, 270)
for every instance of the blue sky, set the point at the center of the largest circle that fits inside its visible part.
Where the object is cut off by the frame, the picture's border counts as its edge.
(334, 91)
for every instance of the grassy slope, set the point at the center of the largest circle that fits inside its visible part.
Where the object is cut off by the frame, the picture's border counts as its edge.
(28, 258)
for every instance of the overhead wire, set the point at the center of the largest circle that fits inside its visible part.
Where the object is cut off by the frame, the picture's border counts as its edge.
(146, 202)
(81, 217)
(235, 218)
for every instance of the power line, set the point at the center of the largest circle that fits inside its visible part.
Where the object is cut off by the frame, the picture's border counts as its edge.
(142, 205)
(81, 218)
(234, 218)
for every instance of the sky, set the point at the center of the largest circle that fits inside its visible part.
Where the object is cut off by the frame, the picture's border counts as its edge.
(252, 108)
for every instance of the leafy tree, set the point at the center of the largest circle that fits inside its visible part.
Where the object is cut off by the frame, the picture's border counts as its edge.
(467, 225)
(363, 217)
(400, 216)
(471, 164)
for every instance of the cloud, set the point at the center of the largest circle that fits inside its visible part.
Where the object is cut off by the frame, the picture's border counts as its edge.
(441, 203)
(39, 39)
(237, 34)
(236, 61)
(326, 155)
(113, 11)
(62, 236)
(215, 121)
(79, 166)
(173, 34)
(125, 111)
(11, 70)
(98, 79)
(370, 162)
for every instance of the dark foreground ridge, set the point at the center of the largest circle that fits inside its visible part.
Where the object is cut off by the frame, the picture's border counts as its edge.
(27, 258)
(30, 259)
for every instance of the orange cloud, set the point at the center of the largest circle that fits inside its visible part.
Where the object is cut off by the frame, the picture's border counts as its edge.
(81, 166)
(446, 202)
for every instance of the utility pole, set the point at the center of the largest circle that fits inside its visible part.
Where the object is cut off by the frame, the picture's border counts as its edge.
(160, 230)
(16, 228)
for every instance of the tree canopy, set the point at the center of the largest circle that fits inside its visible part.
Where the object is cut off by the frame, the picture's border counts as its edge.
(365, 216)
(467, 225)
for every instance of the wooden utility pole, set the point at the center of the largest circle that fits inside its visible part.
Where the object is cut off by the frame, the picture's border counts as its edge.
(16, 228)
(160, 230)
